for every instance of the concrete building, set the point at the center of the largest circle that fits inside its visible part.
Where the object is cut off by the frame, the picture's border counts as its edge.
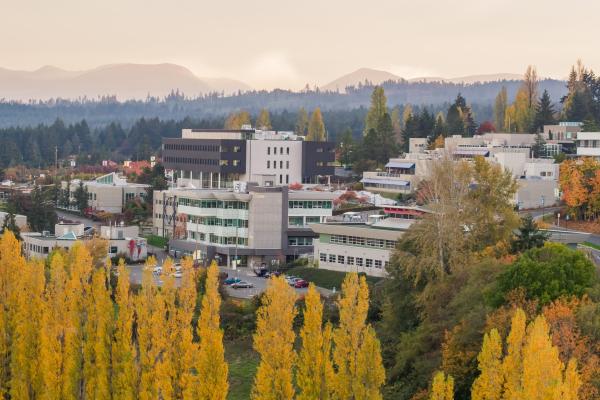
(562, 131)
(122, 240)
(20, 220)
(214, 159)
(588, 144)
(255, 223)
(109, 193)
(352, 245)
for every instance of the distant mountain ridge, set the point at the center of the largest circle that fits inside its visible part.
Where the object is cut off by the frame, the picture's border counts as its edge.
(376, 77)
(125, 81)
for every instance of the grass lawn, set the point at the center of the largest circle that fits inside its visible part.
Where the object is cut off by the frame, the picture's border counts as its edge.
(157, 241)
(243, 361)
(325, 278)
(592, 245)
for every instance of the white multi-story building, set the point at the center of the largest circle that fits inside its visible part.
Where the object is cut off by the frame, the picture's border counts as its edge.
(588, 144)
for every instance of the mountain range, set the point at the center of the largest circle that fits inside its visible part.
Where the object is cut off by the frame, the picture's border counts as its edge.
(138, 81)
(125, 81)
(376, 77)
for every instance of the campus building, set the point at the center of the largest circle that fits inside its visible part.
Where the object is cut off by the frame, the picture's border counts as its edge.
(215, 159)
(255, 223)
(362, 245)
(108, 193)
(588, 144)
(122, 240)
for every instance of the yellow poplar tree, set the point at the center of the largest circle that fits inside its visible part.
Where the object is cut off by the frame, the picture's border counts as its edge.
(542, 368)
(164, 330)
(123, 350)
(11, 265)
(572, 382)
(314, 374)
(25, 374)
(488, 385)
(79, 263)
(353, 306)
(274, 341)
(144, 302)
(182, 347)
(97, 339)
(264, 120)
(512, 365)
(442, 387)
(52, 330)
(316, 127)
(371, 373)
(211, 365)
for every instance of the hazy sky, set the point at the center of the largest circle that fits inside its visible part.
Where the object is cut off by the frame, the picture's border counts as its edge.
(269, 43)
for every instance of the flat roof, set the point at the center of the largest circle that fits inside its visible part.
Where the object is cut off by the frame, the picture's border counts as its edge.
(360, 229)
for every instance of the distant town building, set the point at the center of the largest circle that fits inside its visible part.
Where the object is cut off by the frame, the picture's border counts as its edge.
(109, 193)
(588, 144)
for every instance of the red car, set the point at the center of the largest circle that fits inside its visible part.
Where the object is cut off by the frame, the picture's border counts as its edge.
(300, 283)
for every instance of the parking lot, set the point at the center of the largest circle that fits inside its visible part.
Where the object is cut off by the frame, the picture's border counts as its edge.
(260, 284)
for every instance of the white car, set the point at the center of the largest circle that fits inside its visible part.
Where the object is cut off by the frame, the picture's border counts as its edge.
(157, 270)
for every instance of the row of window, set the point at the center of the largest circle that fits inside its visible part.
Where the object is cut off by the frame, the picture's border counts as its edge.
(225, 163)
(300, 241)
(214, 221)
(358, 261)
(287, 164)
(310, 204)
(195, 161)
(361, 241)
(287, 150)
(299, 221)
(227, 204)
(215, 239)
(192, 147)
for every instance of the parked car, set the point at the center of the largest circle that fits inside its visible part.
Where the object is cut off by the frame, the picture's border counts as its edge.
(242, 285)
(300, 283)
(157, 270)
(231, 281)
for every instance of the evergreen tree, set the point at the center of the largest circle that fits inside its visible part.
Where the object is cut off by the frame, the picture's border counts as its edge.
(212, 367)
(314, 370)
(81, 197)
(544, 112)
(529, 235)
(263, 121)
(377, 109)
(316, 127)
(455, 116)
(346, 147)
(440, 126)
(274, 341)
(488, 385)
(539, 146)
(11, 224)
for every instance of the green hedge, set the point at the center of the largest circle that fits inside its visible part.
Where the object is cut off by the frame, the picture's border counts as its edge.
(157, 241)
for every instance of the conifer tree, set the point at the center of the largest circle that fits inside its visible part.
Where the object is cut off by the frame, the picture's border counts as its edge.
(316, 127)
(542, 368)
(488, 385)
(512, 365)
(263, 121)
(274, 341)
(314, 370)
(97, 339)
(211, 365)
(442, 387)
(123, 354)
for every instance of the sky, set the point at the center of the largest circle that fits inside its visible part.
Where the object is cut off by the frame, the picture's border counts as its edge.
(288, 44)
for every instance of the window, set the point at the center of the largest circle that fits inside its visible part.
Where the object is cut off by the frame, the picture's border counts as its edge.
(268, 151)
(268, 164)
(369, 263)
(237, 149)
(332, 258)
(313, 220)
(287, 150)
(280, 179)
(322, 257)
(287, 164)
(359, 261)
(341, 260)
(295, 221)
(280, 164)
(113, 250)
(274, 150)
(350, 260)
(378, 264)
(281, 150)
(287, 178)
